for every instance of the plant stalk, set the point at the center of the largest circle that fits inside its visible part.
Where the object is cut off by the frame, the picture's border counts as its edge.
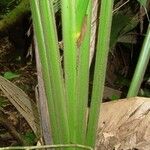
(100, 69)
(53, 57)
(70, 63)
(83, 76)
(45, 68)
(141, 66)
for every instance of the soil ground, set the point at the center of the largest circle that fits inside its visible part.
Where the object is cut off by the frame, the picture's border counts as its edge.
(27, 81)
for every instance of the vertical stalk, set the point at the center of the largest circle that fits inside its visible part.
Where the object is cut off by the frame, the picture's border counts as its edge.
(70, 65)
(100, 69)
(81, 10)
(53, 57)
(45, 69)
(141, 66)
(83, 76)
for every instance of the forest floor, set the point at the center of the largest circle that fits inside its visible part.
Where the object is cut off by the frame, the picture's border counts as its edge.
(24, 76)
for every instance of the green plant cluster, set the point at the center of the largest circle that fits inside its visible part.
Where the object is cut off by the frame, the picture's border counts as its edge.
(67, 88)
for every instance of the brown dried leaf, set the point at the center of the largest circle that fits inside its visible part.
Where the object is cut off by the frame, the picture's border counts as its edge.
(124, 125)
(22, 102)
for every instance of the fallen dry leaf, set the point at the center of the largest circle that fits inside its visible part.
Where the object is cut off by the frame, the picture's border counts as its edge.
(124, 125)
(22, 102)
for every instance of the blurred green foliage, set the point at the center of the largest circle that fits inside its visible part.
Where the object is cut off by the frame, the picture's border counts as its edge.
(10, 75)
(143, 2)
(3, 102)
(7, 5)
(29, 138)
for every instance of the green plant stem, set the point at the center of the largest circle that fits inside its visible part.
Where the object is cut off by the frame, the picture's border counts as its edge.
(70, 62)
(83, 78)
(100, 69)
(53, 57)
(141, 66)
(45, 68)
(81, 9)
(49, 147)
